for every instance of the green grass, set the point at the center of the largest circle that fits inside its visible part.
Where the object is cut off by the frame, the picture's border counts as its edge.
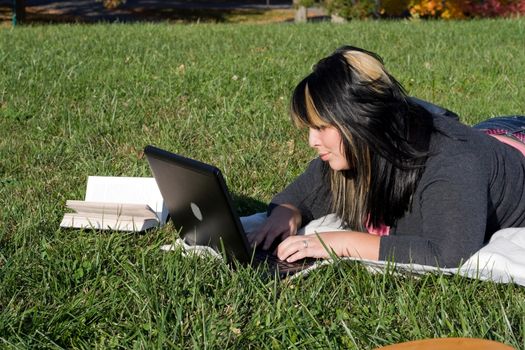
(84, 100)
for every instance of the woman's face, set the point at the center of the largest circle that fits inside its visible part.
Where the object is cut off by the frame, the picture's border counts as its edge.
(328, 143)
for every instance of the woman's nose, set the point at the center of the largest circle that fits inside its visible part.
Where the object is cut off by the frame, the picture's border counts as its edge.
(313, 137)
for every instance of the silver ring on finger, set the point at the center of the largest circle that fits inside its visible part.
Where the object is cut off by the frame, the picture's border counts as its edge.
(305, 244)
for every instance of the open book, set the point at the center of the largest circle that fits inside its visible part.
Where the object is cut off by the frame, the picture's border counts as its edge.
(118, 203)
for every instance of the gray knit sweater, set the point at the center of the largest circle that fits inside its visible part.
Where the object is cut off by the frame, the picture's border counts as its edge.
(472, 186)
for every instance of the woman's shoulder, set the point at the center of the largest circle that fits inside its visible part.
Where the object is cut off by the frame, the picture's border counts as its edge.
(453, 136)
(433, 108)
(458, 149)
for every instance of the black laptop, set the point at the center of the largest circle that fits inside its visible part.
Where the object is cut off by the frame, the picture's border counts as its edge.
(201, 207)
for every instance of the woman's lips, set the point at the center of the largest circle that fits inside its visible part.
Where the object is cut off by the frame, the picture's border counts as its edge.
(324, 156)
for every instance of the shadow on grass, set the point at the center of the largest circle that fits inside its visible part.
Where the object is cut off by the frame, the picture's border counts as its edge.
(65, 14)
(247, 205)
(165, 15)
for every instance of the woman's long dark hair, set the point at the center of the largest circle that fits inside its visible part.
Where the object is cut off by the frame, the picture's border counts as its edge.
(385, 136)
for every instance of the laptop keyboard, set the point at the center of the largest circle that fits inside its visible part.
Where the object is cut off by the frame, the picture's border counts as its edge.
(274, 260)
(282, 265)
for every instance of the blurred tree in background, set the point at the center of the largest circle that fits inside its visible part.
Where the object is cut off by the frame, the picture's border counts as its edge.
(111, 4)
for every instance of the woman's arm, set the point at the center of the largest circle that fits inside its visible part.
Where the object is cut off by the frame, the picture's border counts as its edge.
(446, 225)
(306, 198)
(309, 193)
(341, 243)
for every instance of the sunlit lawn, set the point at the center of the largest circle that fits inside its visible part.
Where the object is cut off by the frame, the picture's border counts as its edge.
(84, 100)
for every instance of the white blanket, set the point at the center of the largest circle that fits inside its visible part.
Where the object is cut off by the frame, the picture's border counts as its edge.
(502, 260)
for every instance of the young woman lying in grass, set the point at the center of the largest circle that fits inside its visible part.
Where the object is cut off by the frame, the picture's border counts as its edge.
(409, 182)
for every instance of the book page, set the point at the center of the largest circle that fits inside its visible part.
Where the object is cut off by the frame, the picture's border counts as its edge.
(142, 211)
(132, 190)
(107, 222)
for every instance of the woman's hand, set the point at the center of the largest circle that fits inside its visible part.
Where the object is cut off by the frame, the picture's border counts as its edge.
(283, 222)
(342, 243)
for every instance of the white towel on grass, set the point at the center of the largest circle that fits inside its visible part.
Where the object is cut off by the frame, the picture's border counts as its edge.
(502, 260)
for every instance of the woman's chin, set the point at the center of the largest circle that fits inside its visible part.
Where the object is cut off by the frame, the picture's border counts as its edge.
(336, 166)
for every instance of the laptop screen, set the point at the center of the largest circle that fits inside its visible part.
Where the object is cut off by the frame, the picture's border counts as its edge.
(199, 203)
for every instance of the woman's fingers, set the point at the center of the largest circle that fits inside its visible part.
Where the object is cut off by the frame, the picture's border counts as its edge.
(282, 231)
(281, 223)
(299, 247)
(265, 235)
(270, 237)
(258, 236)
(293, 248)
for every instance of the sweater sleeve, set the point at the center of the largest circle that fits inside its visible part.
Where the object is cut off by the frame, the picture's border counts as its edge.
(309, 193)
(448, 222)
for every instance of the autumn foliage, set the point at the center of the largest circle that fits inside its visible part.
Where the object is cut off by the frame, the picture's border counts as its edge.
(495, 8)
(467, 8)
(438, 8)
(445, 9)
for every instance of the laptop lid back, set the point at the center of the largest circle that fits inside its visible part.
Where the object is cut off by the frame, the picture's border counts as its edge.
(199, 203)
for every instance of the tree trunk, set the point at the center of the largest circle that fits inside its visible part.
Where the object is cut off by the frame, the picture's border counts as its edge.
(301, 12)
(377, 11)
(19, 11)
